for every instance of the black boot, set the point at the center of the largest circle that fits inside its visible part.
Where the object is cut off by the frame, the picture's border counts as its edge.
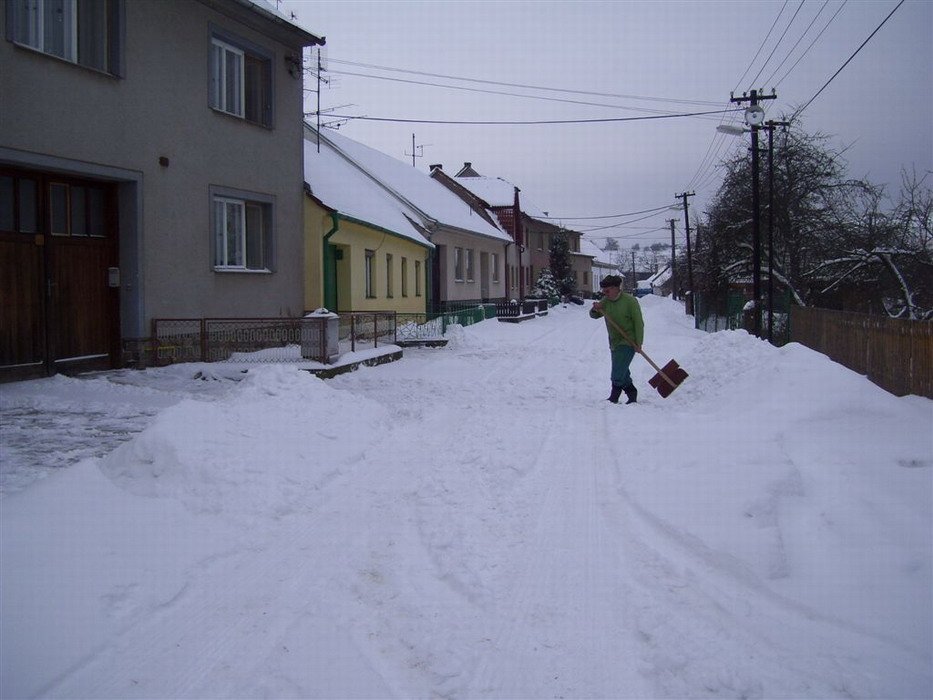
(631, 393)
(615, 393)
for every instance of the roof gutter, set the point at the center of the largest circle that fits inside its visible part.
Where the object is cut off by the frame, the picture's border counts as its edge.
(307, 37)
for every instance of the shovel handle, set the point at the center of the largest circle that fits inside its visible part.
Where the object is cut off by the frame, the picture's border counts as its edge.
(640, 352)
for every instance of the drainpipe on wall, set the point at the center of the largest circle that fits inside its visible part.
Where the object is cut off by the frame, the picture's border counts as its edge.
(328, 262)
(430, 303)
(505, 272)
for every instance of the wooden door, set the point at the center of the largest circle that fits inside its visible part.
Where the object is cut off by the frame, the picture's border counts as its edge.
(58, 242)
(82, 304)
(22, 276)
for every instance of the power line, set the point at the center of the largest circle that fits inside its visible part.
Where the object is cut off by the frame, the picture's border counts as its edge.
(778, 43)
(797, 43)
(807, 50)
(848, 60)
(607, 216)
(705, 171)
(708, 103)
(530, 122)
(623, 223)
(757, 53)
(625, 236)
(499, 92)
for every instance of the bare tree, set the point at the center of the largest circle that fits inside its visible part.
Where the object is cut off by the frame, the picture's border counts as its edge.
(834, 238)
(892, 251)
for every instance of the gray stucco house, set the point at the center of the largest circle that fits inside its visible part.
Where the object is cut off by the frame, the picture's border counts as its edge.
(150, 167)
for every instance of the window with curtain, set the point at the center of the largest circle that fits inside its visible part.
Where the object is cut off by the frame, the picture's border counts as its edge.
(241, 79)
(389, 280)
(241, 238)
(81, 31)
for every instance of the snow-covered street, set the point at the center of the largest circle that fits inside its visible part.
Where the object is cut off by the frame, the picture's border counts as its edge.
(471, 522)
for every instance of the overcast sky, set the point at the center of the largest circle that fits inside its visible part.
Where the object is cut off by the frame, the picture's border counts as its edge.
(595, 59)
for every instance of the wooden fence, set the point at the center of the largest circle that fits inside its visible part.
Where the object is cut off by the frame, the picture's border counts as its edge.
(896, 355)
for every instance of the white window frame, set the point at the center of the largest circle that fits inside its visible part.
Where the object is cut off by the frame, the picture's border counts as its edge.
(252, 66)
(389, 276)
(231, 216)
(90, 35)
(36, 36)
(220, 53)
(470, 271)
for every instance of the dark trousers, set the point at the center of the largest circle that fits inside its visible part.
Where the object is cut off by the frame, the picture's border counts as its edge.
(622, 357)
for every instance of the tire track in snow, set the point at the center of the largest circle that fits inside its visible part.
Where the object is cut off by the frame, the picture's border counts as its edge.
(209, 637)
(567, 602)
(721, 642)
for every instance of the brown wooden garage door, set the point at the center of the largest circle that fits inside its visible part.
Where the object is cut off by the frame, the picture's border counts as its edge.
(58, 243)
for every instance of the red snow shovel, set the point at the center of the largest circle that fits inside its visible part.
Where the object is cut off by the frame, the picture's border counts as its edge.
(666, 379)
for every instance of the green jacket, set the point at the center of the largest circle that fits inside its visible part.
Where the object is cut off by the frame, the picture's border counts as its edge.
(626, 312)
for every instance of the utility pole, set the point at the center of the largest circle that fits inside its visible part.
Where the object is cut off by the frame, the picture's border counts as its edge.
(754, 116)
(673, 262)
(770, 125)
(634, 277)
(684, 196)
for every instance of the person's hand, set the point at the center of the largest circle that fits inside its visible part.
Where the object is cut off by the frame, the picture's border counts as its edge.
(597, 306)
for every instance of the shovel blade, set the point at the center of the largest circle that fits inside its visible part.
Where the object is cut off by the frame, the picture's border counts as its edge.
(671, 371)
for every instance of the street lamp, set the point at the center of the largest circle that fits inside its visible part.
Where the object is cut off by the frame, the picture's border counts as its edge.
(732, 130)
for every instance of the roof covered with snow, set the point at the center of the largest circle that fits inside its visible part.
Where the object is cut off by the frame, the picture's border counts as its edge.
(269, 10)
(497, 192)
(343, 186)
(660, 277)
(603, 257)
(417, 190)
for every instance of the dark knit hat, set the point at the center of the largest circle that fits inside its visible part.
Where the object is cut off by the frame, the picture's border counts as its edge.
(611, 281)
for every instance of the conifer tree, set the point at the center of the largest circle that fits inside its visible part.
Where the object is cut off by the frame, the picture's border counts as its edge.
(559, 254)
(546, 287)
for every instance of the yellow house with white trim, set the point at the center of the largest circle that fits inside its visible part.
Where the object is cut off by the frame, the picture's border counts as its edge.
(364, 250)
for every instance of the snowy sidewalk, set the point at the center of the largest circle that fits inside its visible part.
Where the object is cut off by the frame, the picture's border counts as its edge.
(478, 522)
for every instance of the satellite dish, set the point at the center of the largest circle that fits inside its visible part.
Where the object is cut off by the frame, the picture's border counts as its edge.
(754, 115)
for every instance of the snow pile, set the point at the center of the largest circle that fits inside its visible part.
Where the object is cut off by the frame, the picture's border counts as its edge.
(276, 437)
(477, 522)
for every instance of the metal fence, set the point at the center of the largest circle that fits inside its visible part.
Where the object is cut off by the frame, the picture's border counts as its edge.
(527, 307)
(260, 339)
(420, 328)
(280, 339)
(363, 330)
(721, 312)
(895, 354)
(726, 311)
